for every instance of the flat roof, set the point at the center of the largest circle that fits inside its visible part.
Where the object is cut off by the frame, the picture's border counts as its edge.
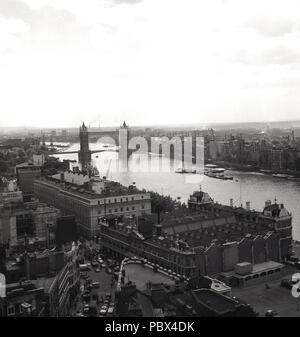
(257, 268)
(140, 275)
(216, 302)
(113, 189)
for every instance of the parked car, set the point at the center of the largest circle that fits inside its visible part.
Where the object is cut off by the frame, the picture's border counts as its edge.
(97, 270)
(95, 284)
(86, 309)
(271, 313)
(285, 283)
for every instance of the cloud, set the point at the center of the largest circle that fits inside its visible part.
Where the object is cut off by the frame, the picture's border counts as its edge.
(151, 60)
(271, 27)
(280, 55)
(10, 31)
(49, 27)
(126, 2)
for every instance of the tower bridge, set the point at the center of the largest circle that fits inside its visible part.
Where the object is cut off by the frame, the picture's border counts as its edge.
(120, 138)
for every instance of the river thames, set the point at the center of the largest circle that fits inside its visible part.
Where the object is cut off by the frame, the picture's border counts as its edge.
(246, 186)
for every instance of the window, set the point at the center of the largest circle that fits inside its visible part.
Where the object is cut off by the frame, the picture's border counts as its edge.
(109, 211)
(143, 206)
(133, 208)
(11, 310)
(116, 210)
(127, 208)
(126, 199)
(121, 209)
(132, 198)
(99, 212)
(115, 200)
(121, 199)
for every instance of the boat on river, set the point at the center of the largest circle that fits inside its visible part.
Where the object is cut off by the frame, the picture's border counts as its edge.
(281, 176)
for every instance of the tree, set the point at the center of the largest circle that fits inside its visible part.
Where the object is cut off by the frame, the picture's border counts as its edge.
(161, 203)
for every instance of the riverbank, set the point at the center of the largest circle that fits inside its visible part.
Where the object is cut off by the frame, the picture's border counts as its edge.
(252, 168)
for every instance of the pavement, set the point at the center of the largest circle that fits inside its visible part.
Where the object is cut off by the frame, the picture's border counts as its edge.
(274, 297)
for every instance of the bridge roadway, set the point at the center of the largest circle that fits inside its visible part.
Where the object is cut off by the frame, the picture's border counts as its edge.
(72, 152)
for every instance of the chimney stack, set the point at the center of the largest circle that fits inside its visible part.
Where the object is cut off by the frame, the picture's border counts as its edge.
(231, 202)
(248, 205)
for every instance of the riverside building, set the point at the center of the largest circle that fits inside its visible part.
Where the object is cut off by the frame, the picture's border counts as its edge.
(89, 199)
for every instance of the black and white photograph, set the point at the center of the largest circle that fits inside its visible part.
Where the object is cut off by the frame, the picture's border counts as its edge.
(149, 161)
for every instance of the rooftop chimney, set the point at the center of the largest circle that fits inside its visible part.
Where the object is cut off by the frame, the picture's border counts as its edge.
(248, 205)
(231, 202)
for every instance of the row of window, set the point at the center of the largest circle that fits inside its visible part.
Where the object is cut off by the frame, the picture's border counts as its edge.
(109, 201)
(116, 210)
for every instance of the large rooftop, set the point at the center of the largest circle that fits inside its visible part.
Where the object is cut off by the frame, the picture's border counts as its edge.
(140, 275)
(214, 301)
(112, 188)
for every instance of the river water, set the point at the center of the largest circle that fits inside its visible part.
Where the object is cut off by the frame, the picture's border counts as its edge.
(246, 186)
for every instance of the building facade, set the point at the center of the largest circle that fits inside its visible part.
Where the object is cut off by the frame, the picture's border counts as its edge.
(92, 200)
(206, 242)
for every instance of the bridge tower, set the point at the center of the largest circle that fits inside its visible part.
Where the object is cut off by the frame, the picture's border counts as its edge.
(124, 136)
(84, 154)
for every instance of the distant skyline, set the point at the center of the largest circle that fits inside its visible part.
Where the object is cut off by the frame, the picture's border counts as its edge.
(148, 62)
(292, 124)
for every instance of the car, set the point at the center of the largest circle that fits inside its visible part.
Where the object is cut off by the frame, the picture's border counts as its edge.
(97, 270)
(86, 310)
(103, 265)
(95, 284)
(271, 313)
(109, 271)
(103, 312)
(285, 283)
(106, 302)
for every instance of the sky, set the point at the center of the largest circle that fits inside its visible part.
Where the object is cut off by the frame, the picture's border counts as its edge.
(148, 62)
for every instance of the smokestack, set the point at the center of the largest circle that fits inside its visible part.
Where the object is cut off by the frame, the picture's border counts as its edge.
(231, 202)
(248, 205)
